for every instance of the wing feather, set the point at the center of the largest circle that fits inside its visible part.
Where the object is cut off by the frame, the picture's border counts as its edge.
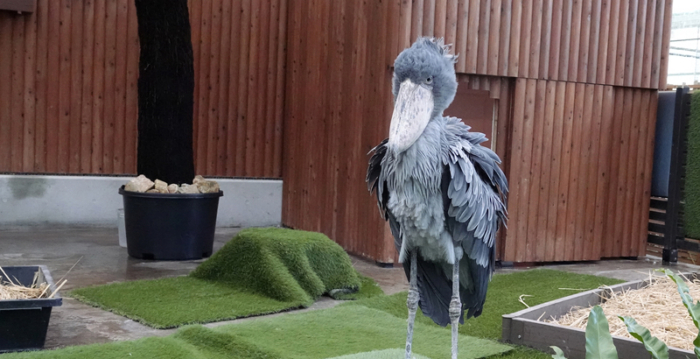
(475, 191)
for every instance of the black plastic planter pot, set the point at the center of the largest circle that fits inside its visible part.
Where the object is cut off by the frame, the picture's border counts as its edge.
(24, 322)
(174, 226)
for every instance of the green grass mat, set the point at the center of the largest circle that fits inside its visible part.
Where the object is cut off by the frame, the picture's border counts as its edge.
(352, 329)
(317, 334)
(502, 297)
(519, 352)
(692, 171)
(260, 271)
(188, 343)
(368, 289)
(381, 354)
(172, 302)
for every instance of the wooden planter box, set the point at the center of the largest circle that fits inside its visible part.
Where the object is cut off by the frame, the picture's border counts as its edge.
(523, 327)
(18, 5)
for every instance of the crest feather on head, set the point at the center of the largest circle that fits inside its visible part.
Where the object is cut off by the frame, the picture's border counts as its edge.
(438, 44)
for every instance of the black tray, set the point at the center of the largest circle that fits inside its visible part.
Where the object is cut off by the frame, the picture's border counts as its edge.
(24, 322)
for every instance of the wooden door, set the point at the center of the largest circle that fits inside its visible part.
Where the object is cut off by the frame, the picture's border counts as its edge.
(475, 108)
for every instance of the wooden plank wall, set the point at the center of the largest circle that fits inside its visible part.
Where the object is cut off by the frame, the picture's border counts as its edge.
(338, 101)
(338, 108)
(580, 184)
(577, 97)
(68, 87)
(609, 42)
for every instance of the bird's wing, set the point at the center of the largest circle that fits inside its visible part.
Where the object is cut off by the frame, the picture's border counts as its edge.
(474, 190)
(374, 182)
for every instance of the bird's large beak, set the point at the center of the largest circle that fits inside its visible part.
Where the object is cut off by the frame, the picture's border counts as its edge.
(412, 110)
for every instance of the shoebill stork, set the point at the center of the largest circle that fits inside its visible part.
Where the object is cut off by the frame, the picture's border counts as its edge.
(442, 192)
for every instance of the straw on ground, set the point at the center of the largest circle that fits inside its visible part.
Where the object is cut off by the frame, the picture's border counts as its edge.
(657, 307)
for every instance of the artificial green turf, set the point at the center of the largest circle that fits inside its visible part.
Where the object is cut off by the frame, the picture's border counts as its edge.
(188, 343)
(346, 330)
(502, 297)
(520, 352)
(260, 271)
(381, 354)
(692, 171)
(317, 334)
(368, 289)
(283, 264)
(172, 302)
(368, 324)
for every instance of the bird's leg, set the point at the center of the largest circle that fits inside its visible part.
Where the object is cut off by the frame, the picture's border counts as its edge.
(455, 307)
(412, 301)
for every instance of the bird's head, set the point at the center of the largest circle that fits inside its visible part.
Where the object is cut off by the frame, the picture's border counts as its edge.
(424, 84)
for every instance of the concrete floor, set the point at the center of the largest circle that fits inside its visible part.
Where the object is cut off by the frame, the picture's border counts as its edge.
(102, 261)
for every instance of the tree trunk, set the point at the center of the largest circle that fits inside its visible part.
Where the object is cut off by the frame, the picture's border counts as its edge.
(166, 90)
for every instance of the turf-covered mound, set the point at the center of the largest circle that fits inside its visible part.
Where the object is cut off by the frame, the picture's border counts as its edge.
(283, 264)
(381, 354)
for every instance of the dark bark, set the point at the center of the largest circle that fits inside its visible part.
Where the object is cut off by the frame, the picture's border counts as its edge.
(166, 90)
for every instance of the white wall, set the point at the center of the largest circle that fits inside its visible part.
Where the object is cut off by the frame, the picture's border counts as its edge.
(94, 200)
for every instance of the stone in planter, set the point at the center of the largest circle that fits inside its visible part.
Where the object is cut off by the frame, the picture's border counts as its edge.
(197, 179)
(161, 186)
(172, 188)
(208, 186)
(186, 188)
(139, 184)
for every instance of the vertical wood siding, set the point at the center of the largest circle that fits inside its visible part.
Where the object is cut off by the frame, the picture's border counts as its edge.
(337, 107)
(68, 87)
(579, 171)
(574, 118)
(335, 84)
(623, 43)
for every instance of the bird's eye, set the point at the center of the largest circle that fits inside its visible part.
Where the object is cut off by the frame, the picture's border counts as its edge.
(429, 80)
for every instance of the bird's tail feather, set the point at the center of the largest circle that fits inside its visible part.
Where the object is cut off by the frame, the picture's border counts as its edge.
(473, 300)
(435, 288)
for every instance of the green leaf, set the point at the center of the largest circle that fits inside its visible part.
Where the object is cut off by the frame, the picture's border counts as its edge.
(599, 343)
(558, 354)
(654, 345)
(692, 306)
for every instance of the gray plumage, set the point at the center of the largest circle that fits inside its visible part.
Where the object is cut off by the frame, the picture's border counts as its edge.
(443, 194)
